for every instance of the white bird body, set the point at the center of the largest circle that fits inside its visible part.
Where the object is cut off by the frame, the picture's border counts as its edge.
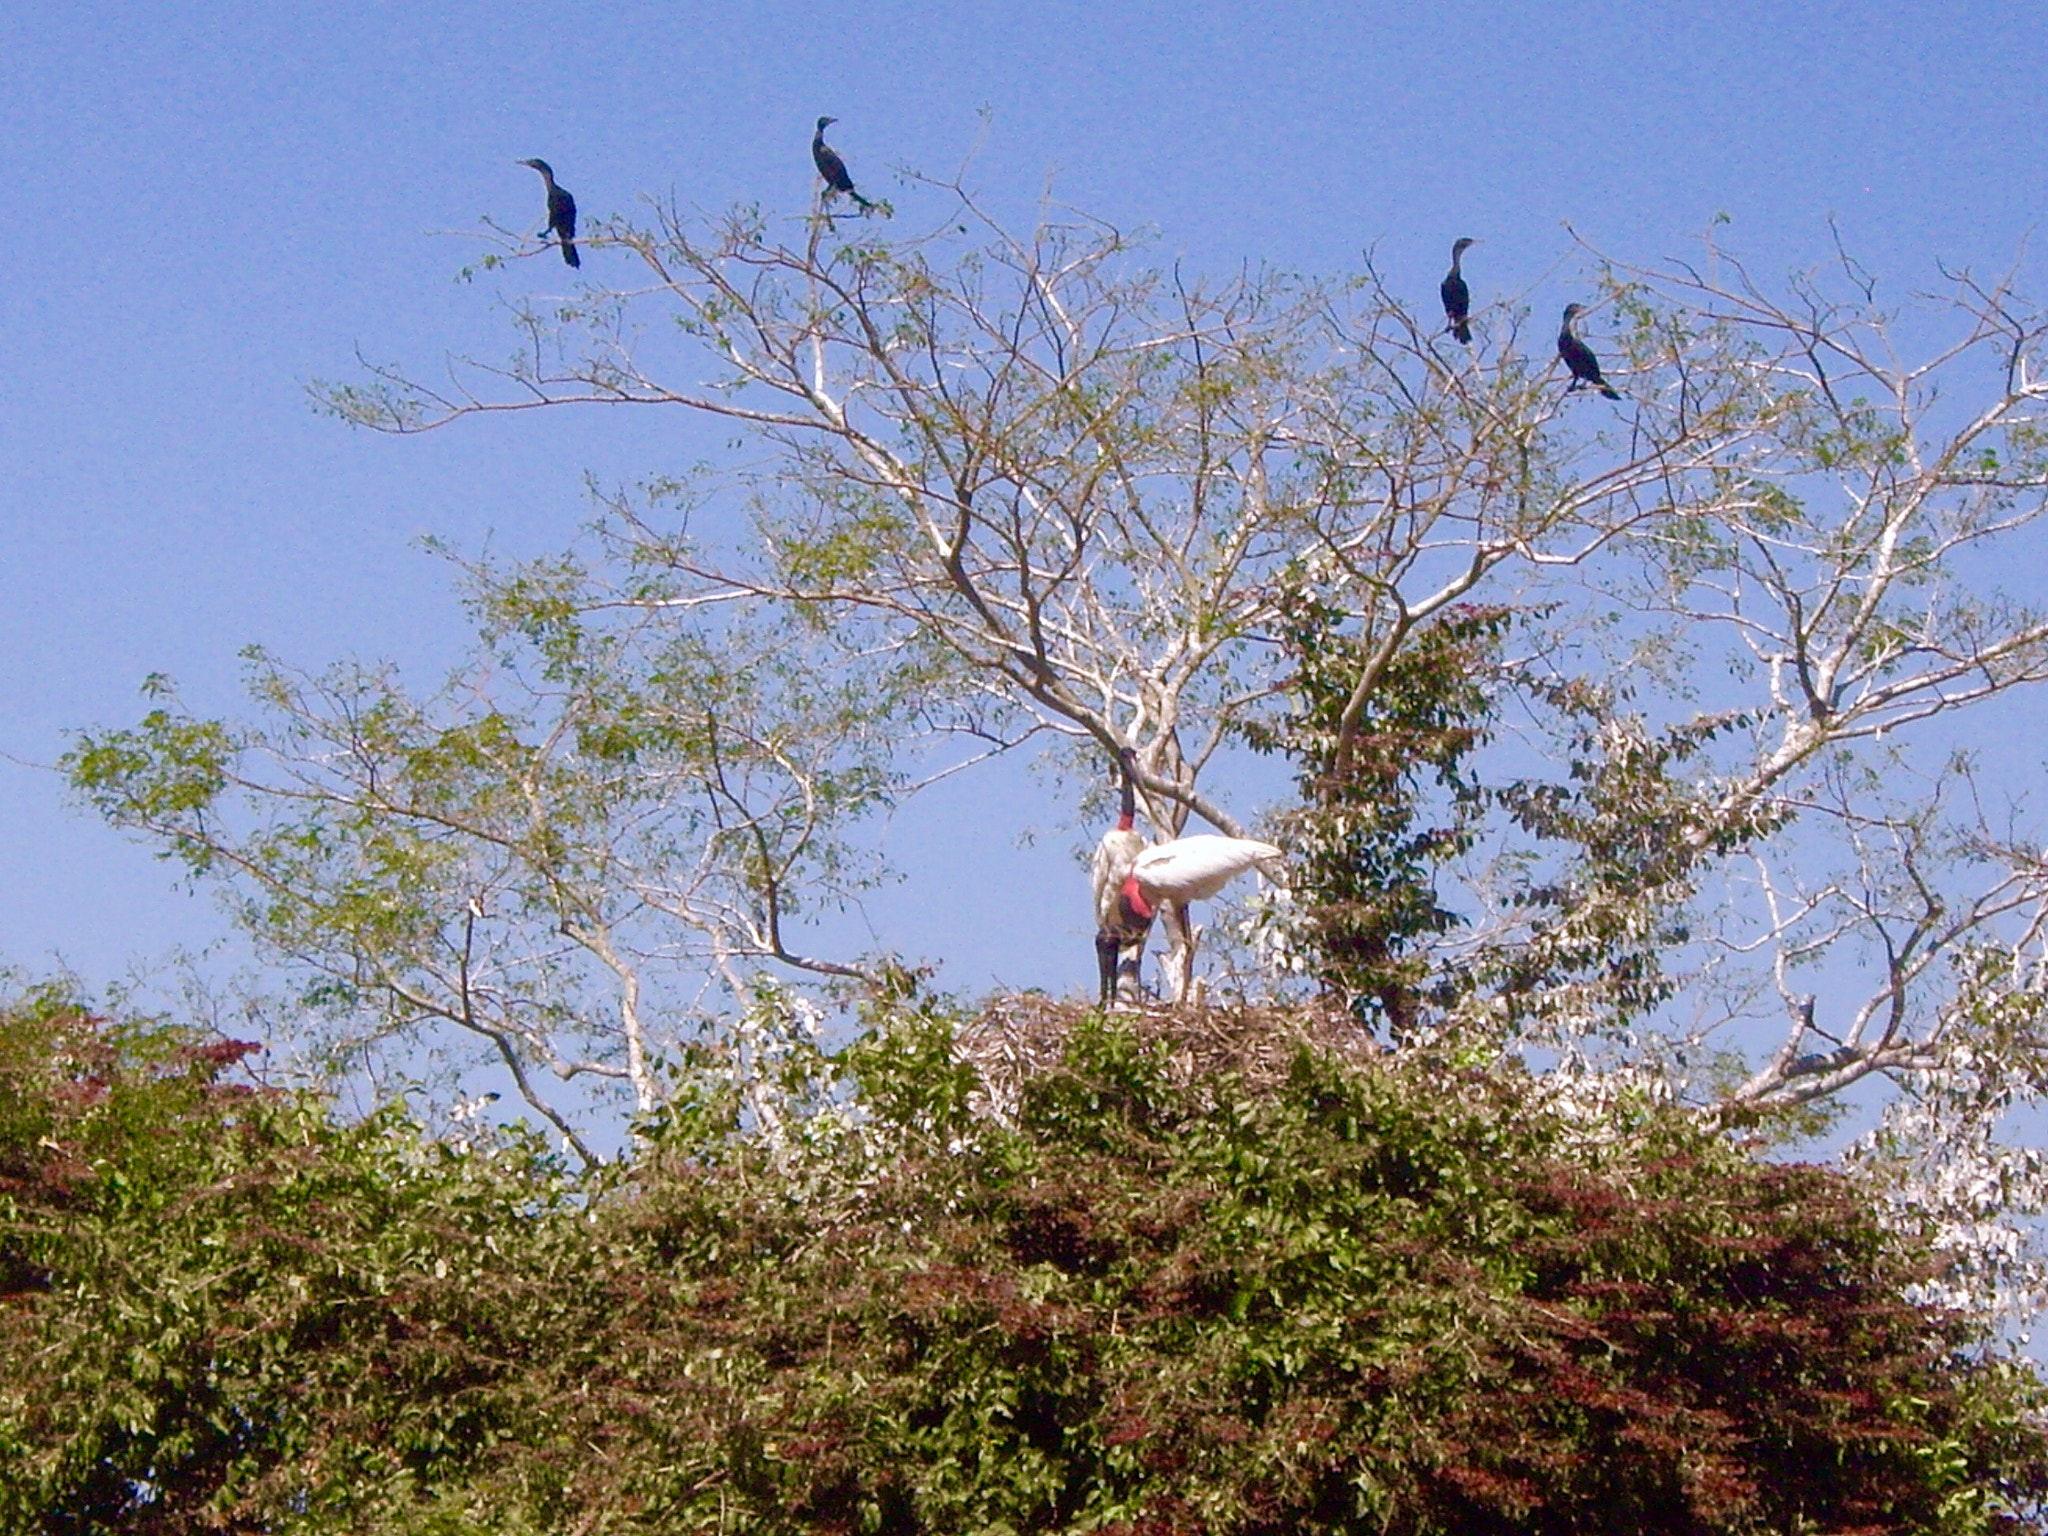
(1119, 928)
(1114, 858)
(1196, 868)
(1135, 883)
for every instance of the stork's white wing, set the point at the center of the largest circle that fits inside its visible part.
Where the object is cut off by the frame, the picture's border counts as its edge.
(1196, 868)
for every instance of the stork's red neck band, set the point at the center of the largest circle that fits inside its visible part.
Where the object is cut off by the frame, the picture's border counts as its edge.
(1136, 898)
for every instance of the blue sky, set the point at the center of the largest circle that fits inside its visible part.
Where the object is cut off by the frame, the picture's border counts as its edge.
(215, 204)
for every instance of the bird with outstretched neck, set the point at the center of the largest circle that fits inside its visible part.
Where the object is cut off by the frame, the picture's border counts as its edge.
(1579, 357)
(1457, 297)
(832, 168)
(561, 212)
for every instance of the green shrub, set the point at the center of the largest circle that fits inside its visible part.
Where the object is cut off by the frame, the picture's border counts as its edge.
(223, 1306)
(1340, 1296)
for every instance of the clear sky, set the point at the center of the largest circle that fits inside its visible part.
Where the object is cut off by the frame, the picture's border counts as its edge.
(214, 204)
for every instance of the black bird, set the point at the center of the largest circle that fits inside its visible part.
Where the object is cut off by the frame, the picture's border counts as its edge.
(1457, 297)
(832, 168)
(1579, 357)
(561, 212)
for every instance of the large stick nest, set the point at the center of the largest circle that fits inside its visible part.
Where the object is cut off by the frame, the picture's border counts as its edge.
(1017, 1038)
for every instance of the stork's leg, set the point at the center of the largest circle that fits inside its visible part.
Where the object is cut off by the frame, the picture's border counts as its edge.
(1180, 951)
(1131, 963)
(1119, 953)
(1108, 951)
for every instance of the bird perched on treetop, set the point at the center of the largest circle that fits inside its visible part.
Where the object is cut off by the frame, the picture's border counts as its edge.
(1457, 297)
(1579, 357)
(561, 212)
(832, 168)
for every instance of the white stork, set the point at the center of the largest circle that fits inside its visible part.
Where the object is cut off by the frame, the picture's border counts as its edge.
(1117, 926)
(1132, 882)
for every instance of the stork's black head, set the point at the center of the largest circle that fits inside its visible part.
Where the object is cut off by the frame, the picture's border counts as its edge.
(1462, 246)
(1572, 312)
(825, 122)
(542, 166)
(1126, 781)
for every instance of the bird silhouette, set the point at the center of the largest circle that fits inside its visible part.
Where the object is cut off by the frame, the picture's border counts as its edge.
(832, 168)
(1579, 357)
(1458, 297)
(561, 212)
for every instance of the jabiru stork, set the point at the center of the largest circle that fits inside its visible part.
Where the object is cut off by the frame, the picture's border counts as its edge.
(1133, 883)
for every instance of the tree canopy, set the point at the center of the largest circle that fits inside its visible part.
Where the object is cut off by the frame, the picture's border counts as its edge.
(1624, 735)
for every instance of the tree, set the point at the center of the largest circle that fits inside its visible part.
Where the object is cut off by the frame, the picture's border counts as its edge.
(590, 827)
(1701, 817)
(224, 1305)
(1365, 873)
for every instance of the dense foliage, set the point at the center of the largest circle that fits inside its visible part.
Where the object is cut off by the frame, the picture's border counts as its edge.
(1365, 858)
(1340, 1295)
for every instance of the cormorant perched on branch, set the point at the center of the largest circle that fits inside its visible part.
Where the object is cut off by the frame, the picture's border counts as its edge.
(832, 168)
(1457, 297)
(561, 212)
(1579, 357)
